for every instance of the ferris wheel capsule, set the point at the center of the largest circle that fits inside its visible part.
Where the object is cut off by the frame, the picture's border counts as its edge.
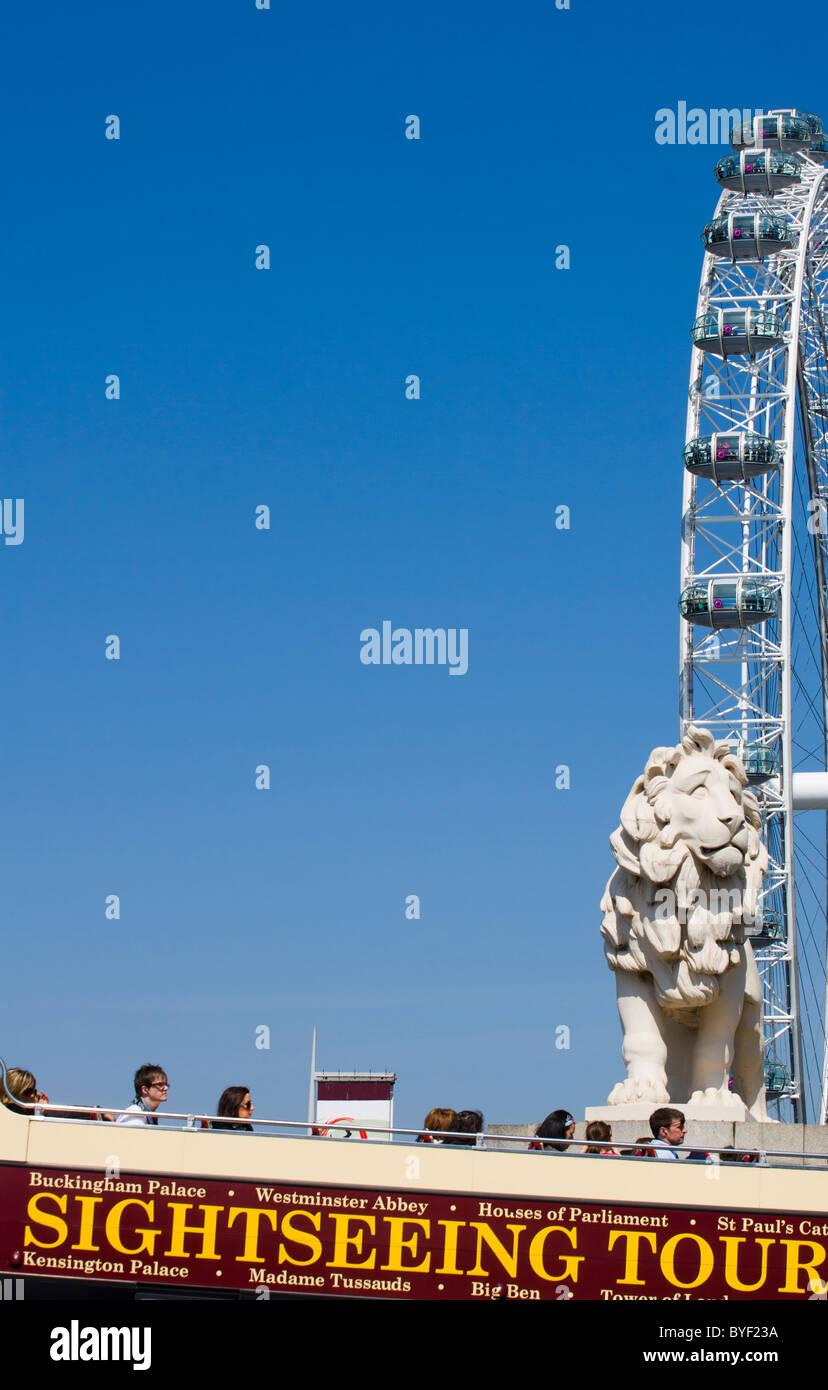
(768, 928)
(813, 122)
(760, 762)
(748, 235)
(817, 150)
(778, 131)
(729, 332)
(759, 171)
(726, 457)
(728, 603)
(777, 1079)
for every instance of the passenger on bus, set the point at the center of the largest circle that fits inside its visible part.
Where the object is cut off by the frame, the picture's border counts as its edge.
(668, 1130)
(469, 1122)
(21, 1085)
(557, 1125)
(151, 1087)
(234, 1101)
(599, 1139)
(436, 1122)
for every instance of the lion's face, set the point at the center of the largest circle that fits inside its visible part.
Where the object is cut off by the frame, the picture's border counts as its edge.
(689, 822)
(702, 806)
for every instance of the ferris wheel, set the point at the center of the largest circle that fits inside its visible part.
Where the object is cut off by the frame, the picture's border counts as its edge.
(754, 555)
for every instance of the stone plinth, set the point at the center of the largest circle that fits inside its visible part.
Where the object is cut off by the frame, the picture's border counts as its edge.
(805, 1144)
(642, 1110)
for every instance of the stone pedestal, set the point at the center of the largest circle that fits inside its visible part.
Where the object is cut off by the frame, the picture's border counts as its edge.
(802, 1145)
(640, 1111)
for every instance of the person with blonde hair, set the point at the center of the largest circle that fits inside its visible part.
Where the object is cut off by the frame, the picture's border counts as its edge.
(21, 1085)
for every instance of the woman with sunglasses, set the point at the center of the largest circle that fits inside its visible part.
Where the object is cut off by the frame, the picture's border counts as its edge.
(235, 1102)
(21, 1085)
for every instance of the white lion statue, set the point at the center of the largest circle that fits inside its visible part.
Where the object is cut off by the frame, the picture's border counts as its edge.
(690, 866)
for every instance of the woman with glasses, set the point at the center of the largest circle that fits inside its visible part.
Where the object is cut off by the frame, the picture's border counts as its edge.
(236, 1105)
(21, 1085)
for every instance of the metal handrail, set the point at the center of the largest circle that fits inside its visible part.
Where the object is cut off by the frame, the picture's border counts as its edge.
(529, 1143)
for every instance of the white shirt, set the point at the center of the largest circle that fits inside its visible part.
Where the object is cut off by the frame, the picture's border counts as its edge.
(136, 1114)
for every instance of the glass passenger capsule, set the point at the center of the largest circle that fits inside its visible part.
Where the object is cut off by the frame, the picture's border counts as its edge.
(819, 150)
(768, 928)
(759, 171)
(747, 236)
(777, 1080)
(731, 331)
(728, 457)
(772, 132)
(760, 762)
(814, 123)
(727, 602)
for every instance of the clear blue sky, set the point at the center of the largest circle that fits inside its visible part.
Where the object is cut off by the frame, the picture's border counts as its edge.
(285, 387)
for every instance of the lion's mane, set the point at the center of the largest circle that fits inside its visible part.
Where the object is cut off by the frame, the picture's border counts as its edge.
(675, 935)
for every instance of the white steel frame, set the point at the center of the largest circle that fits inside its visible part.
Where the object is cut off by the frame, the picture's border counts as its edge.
(768, 684)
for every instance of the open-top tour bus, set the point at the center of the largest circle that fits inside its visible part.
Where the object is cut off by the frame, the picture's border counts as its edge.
(93, 1209)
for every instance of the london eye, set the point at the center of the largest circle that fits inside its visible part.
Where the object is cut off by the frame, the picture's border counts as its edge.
(754, 555)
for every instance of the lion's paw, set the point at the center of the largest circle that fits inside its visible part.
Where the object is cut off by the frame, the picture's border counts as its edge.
(716, 1095)
(637, 1088)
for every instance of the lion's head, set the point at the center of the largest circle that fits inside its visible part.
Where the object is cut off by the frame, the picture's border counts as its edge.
(690, 870)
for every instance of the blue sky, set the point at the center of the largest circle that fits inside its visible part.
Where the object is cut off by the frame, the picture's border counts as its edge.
(285, 387)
